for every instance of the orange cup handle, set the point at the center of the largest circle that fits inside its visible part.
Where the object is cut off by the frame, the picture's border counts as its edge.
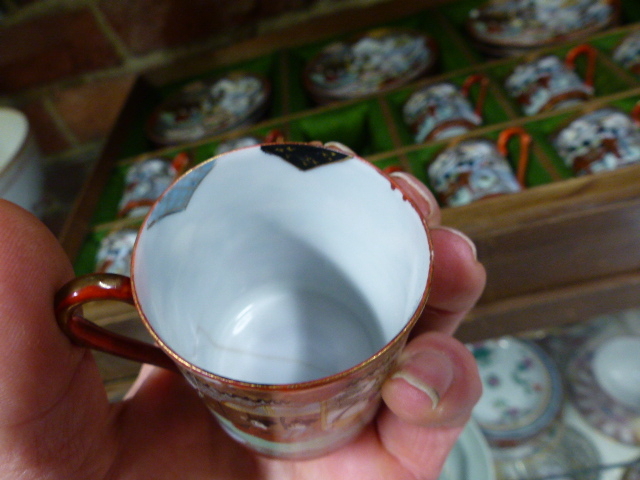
(481, 80)
(525, 142)
(82, 332)
(591, 55)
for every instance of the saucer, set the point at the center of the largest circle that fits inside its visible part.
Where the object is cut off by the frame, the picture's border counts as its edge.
(602, 140)
(604, 384)
(522, 390)
(562, 452)
(209, 107)
(524, 24)
(114, 252)
(376, 61)
(470, 457)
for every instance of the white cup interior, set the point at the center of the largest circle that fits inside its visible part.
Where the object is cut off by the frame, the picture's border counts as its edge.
(277, 275)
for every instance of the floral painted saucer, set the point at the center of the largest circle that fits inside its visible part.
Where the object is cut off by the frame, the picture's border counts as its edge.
(114, 252)
(602, 140)
(146, 180)
(603, 380)
(376, 61)
(209, 107)
(516, 25)
(627, 53)
(522, 391)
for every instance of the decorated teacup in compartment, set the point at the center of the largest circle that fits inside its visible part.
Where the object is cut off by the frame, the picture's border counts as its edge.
(443, 110)
(146, 180)
(114, 251)
(627, 53)
(378, 60)
(478, 168)
(548, 82)
(504, 26)
(209, 107)
(601, 140)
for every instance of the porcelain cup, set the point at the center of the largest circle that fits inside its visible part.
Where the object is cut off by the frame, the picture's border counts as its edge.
(548, 82)
(478, 168)
(601, 140)
(282, 280)
(443, 110)
(21, 172)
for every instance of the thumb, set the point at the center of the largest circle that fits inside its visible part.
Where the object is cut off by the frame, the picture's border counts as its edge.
(49, 387)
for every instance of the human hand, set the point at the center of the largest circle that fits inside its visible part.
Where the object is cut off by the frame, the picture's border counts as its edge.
(56, 422)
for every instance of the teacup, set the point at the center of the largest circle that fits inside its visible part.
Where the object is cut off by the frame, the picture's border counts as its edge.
(477, 168)
(627, 53)
(282, 280)
(114, 251)
(548, 82)
(443, 110)
(146, 180)
(601, 140)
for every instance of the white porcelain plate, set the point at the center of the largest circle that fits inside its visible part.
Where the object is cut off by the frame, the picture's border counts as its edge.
(604, 386)
(470, 457)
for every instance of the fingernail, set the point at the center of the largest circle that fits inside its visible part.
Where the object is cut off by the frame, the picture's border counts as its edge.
(420, 188)
(339, 146)
(428, 390)
(429, 372)
(472, 246)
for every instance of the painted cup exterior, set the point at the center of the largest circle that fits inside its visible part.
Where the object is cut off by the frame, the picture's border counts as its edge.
(602, 140)
(301, 237)
(627, 53)
(146, 180)
(549, 83)
(477, 168)
(443, 110)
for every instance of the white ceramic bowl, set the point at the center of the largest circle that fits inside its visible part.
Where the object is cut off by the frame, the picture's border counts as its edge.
(21, 174)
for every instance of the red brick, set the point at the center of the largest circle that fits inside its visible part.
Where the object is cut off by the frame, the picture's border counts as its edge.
(52, 47)
(91, 109)
(49, 138)
(146, 25)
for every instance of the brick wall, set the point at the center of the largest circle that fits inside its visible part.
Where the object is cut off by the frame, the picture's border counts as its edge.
(69, 64)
